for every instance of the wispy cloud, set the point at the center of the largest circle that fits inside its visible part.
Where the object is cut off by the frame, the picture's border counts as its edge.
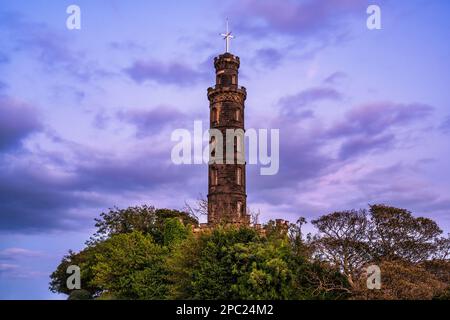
(445, 126)
(17, 121)
(174, 73)
(14, 253)
(375, 118)
(49, 47)
(335, 78)
(152, 121)
(293, 104)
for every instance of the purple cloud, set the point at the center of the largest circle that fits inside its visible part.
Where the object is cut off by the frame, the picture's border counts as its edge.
(375, 118)
(50, 47)
(268, 57)
(152, 121)
(445, 126)
(126, 46)
(304, 18)
(291, 104)
(77, 184)
(17, 121)
(165, 73)
(400, 185)
(24, 207)
(364, 145)
(335, 78)
(305, 159)
(371, 127)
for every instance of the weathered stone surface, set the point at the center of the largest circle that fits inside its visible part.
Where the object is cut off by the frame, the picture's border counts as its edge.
(227, 198)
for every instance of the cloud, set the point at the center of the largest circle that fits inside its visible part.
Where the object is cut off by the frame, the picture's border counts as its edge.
(13, 253)
(35, 198)
(17, 122)
(295, 18)
(374, 127)
(335, 78)
(365, 145)
(50, 47)
(5, 267)
(375, 118)
(268, 57)
(314, 153)
(305, 27)
(126, 46)
(152, 121)
(43, 191)
(291, 104)
(165, 73)
(17, 271)
(445, 126)
(399, 184)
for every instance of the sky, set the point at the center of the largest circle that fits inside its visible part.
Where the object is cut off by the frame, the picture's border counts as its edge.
(86, 115)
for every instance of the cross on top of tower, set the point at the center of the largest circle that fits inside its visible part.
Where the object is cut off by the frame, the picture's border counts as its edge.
(227, 37)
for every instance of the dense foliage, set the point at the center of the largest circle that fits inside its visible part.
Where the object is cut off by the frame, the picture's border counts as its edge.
(148, 253)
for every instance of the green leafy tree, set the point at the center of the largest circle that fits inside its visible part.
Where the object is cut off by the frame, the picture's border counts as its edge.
(84, 259)
(164, 225)
(147, 253)
(234, 263)
(174, 231)
(80, 295)
(145, 219)
(131, 266)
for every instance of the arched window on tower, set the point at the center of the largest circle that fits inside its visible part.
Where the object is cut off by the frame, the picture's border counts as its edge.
(237, 114)
(214, 178)
(239, 208)
(215, 115)
(239, 176)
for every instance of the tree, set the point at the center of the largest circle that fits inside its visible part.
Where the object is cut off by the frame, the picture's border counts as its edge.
(84, 259)
(148, 253)
(174, 231)
(402, 280)
(396, 234)
(163, 226)
(238, 263)
(300, 245)
(215, 273)
(343, 241)
(403, 246)
(145, 219)
(80, 295)
(131, 266)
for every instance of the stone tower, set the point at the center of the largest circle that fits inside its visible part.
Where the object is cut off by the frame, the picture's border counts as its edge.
(227, 198)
